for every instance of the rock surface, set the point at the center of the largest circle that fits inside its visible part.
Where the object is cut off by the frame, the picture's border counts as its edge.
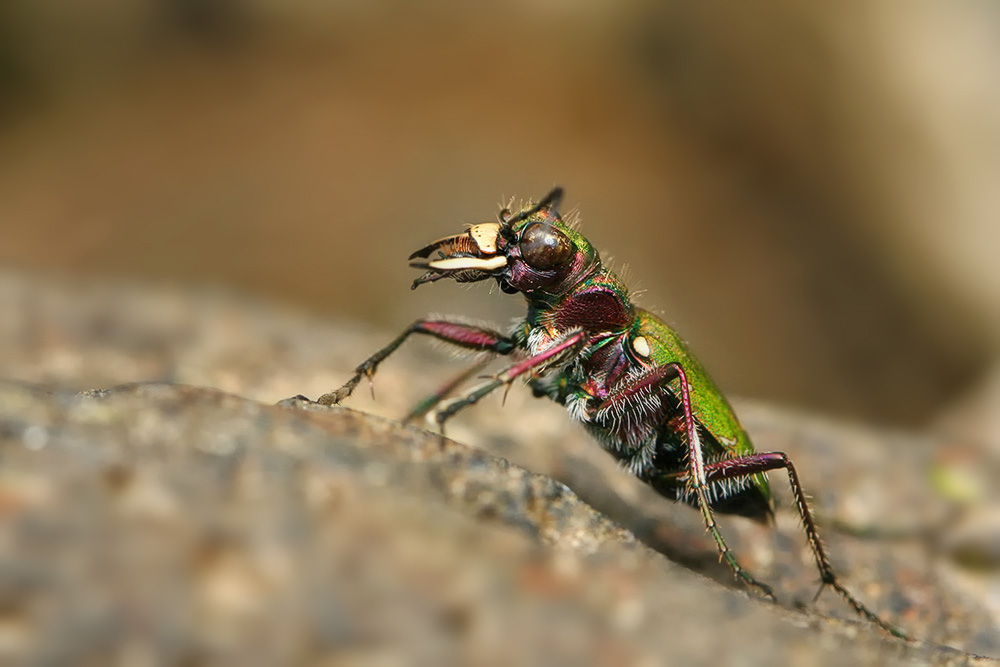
(158, 522)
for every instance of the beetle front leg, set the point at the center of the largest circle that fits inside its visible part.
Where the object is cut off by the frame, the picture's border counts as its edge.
(463, 335)
(659, 379)
(753, 464)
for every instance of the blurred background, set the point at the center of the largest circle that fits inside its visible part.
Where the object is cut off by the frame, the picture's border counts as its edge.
(807, 191)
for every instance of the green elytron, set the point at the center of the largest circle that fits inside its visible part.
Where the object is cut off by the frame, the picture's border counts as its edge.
(617, 368)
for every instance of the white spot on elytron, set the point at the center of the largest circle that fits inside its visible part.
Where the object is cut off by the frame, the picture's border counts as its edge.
(728, 443)
(456, 263)
(641, 346)
(485, 236)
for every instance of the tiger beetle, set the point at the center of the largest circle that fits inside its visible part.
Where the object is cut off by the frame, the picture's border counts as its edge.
(618, 369)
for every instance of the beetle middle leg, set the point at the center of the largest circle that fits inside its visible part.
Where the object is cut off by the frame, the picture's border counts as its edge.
(659, 379)
(564, 349)
(425, 406)
(463, 335)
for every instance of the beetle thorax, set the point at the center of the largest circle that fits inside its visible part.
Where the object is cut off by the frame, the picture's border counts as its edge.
(597, 304)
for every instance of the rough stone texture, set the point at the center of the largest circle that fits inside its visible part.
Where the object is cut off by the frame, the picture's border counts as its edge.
(161, 522)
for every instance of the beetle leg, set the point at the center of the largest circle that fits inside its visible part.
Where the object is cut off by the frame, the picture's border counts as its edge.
(659, 379)
(753, 464)
(456, 333)
(563, 350)
(432, 401)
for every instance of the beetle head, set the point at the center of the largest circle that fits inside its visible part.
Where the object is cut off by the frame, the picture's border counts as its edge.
(528, 251)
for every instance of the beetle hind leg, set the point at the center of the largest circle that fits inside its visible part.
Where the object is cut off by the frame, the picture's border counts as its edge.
(753, 464)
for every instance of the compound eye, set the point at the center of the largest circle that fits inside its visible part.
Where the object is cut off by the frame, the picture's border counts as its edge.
(544, 247)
